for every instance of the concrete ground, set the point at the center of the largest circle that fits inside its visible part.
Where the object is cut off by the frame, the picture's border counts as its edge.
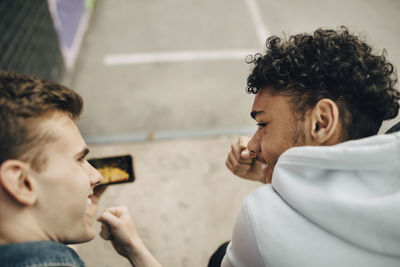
(174, 72)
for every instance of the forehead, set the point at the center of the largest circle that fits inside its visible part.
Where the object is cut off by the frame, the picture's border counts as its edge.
(267, 103)
(60, 133)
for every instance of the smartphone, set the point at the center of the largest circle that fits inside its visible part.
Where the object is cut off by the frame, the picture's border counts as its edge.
(115, 170)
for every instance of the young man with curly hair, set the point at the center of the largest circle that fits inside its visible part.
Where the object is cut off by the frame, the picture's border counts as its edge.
(48, 190)
(332, 193)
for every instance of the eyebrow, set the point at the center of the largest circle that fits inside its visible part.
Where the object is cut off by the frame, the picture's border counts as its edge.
(83, 153)
(254, 113)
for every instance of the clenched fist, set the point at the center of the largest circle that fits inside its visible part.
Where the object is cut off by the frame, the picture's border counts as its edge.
(243, 163)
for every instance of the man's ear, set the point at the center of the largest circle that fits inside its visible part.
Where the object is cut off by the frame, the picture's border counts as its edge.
(325, 121)
(15, 179)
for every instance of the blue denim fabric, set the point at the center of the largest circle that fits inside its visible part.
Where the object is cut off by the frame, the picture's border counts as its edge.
(38, 254)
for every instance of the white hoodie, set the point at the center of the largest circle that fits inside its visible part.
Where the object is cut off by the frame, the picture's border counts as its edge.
(333, 206)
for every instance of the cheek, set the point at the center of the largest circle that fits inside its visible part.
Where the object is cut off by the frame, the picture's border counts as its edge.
(271, 150)
(79, 187)
(81, 174)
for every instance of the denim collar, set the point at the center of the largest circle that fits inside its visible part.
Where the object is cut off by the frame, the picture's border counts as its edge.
(38, 254)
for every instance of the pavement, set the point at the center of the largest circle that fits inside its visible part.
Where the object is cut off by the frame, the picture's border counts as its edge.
(165, 81)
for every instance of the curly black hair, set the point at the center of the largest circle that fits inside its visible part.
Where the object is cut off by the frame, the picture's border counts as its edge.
(330, 64)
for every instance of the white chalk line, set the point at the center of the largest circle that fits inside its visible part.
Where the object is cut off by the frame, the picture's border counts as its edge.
(177, 56)
(192, 55)
(262, 32)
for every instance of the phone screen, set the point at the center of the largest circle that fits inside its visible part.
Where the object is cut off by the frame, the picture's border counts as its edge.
(115, 170)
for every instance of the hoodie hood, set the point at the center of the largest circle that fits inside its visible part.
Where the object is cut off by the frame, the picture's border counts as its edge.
(351, 190)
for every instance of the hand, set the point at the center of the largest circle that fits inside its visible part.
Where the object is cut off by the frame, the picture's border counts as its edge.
(243, 163)
(119, 229)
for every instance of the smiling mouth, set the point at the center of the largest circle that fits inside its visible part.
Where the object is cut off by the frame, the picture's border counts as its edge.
(264, 166)
(262, 161)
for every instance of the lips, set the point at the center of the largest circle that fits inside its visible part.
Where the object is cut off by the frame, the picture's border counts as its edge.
(264, 165)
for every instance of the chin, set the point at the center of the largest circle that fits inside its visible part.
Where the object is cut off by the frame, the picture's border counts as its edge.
(91, 233)
(79, 240)
(88, 235)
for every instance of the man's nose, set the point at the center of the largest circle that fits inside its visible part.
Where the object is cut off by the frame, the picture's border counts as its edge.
(95, 177)
(254, 144)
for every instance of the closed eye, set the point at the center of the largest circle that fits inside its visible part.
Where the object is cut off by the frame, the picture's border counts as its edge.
(81, 156)
(261, 125)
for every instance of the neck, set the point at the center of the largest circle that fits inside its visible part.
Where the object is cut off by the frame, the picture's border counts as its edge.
(17, 225)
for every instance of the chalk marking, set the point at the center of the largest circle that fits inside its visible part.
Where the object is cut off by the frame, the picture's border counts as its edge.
(177, 56)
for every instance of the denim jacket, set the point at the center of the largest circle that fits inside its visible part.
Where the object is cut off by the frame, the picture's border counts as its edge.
(38, 254)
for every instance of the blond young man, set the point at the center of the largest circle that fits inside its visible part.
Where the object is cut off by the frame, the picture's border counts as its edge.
(48, 190)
